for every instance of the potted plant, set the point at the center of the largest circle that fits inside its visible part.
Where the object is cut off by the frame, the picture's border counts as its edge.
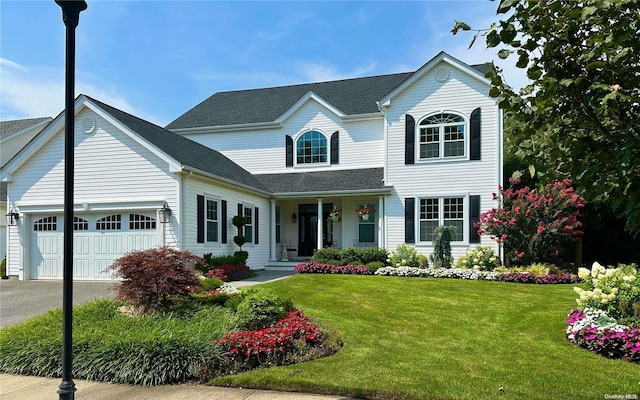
(335, 215)
(364, 212)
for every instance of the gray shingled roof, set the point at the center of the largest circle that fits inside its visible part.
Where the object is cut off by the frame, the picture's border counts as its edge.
(16, 125)
(185, 151)
(325, 181)
(351, 96)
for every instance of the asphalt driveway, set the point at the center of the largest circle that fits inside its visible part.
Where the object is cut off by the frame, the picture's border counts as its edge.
(21, 300)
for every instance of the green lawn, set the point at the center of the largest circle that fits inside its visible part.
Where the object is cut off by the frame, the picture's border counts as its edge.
(417, 338)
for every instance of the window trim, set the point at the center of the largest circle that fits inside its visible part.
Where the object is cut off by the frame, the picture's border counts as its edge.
(440, 198)
(441, 140)
(327, 154)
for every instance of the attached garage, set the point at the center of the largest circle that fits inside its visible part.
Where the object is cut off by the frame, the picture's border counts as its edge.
(99, 239)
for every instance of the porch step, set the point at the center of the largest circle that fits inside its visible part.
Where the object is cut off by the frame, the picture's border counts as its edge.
(281, 265)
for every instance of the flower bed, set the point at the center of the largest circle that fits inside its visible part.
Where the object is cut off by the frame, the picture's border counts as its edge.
(312, 267)
(455, 273)
(595, 331)
(525, 277)
(272, 344)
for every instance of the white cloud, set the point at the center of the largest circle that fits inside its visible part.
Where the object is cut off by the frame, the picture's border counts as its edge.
(29, 92)
(321, 72)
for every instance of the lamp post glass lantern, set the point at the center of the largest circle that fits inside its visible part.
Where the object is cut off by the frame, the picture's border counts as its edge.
(12, 217)
(165, 214)
(70, 16)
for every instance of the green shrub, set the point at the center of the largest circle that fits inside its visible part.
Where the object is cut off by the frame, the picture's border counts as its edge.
(259, 309)
(443, 235)
(154, 278)
(423, 261)
(215, 261)
(373, 266)
(328, 253)
(110, 346)
(207, 284)
(3, 268)
(356, 262)
(482, 258)
(370, 254)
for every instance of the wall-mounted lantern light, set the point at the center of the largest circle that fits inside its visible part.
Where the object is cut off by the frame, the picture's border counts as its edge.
(165, 214)
(294, 218)
(13, 217)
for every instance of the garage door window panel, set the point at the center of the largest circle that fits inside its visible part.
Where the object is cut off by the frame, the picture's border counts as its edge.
(141, 222)
(46, 224)
(80, 224)
(109, 223)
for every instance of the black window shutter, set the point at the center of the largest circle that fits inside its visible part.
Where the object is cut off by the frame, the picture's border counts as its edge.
(200, 219)
(335, 147)
(240, 213)
(474, 217)
(289, 148)
(223, 222)
(255, 225)
(475, 135)
(409, 220)
(409, 140)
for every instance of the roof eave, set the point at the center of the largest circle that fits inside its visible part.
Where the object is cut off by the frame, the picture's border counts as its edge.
(228, 128)
(231, 182)
(333, 193)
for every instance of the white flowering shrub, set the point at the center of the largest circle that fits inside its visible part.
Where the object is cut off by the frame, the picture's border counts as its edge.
(615, 290)
(482, 258)
(405, 256)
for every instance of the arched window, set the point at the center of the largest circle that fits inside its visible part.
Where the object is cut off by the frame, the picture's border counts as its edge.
(138, 222)
(311, 148)
(442, 136)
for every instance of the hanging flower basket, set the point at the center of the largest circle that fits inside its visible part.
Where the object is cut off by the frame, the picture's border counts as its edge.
(364, 212)
(335, 215)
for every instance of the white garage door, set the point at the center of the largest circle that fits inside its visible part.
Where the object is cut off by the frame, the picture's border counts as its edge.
(98, 239)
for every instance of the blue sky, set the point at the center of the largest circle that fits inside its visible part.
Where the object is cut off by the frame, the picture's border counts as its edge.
(158, 59)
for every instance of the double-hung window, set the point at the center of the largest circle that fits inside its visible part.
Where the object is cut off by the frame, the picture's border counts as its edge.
(437, 211)
(248, 228)
(212, 220)
(442, 136)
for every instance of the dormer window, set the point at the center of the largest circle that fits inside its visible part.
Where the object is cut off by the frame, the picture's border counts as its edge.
(442, 136)
(311, 148)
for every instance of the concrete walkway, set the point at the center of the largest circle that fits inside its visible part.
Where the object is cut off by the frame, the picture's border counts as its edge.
(18, 387)
(17, 304)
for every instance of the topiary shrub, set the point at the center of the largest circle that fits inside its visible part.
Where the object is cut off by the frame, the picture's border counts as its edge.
(153, 278)
(259, 309)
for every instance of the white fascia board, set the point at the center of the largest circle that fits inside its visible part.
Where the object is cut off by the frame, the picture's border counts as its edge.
(336, 193)
(173, 164)
(309, 95)
(228, 128)
(140, 203)
(232, 183)
(363, 117)
(442, 56)
(42, 124)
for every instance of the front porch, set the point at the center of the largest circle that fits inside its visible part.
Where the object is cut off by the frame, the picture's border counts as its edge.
(300, 226)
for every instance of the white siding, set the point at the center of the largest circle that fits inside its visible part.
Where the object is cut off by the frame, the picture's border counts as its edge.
(461, 94)
(194, 186)
(263, 151)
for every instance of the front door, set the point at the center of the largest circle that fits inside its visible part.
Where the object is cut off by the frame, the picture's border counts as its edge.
(308, 228)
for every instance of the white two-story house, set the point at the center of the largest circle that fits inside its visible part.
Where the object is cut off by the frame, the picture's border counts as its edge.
(409, 151)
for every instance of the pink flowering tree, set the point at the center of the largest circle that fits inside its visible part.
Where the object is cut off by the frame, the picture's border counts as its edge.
(532, 224)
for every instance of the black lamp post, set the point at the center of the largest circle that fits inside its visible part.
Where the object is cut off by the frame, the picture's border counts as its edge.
(70, 15)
